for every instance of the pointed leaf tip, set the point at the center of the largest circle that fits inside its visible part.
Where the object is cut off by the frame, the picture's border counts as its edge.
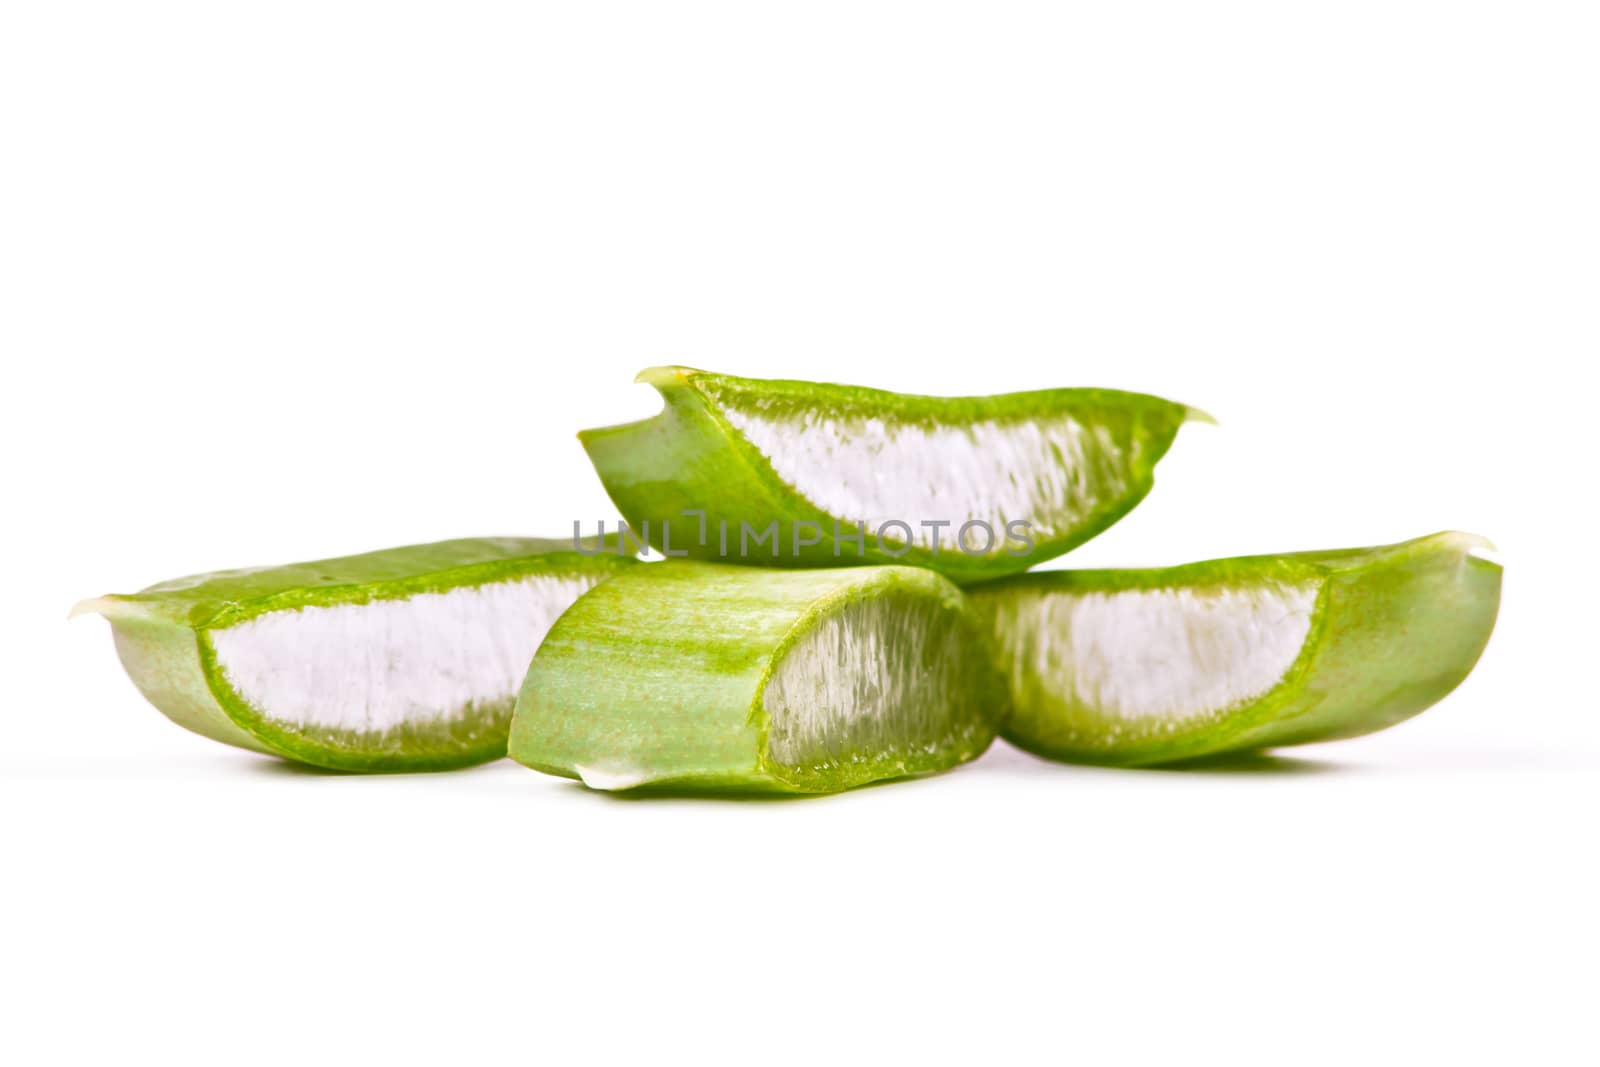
(109, 606)
(1475, 545)
(611, 779)
(662, 377)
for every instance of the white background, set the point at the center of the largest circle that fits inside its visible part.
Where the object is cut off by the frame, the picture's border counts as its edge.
(291, 280)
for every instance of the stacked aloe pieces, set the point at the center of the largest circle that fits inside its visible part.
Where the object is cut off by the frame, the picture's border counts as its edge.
(845, 597)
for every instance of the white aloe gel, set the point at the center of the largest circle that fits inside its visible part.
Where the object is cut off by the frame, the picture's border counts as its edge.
(405, 659)
(389, 664)
(1159, 657)
(877, 470)
(862, 681)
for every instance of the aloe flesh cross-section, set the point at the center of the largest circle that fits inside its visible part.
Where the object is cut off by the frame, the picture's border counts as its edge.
(404, 659)
(709, 677)
(788, 473)
(1138, 667)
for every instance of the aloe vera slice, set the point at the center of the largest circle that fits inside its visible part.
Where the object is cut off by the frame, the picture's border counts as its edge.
(835, 466)
(1148, 666)
(702, 676)
(405, 659)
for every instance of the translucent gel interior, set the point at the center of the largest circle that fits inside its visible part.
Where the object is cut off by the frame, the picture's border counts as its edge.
(878, 678)
(1050, 472)
(1156, 654)
(373, 667)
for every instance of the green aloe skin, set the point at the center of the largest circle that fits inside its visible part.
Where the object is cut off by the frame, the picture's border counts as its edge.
(698, 676)
(406, 659)
(1134, 667)
(818, 458)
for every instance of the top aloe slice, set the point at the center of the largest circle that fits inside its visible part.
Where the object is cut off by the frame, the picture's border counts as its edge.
(404, 659)
(820, 461)
(700, 676)
(1149, 666)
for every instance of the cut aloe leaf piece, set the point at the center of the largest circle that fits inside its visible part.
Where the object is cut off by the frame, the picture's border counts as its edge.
(784, 473)
(1149, 666)
(405, 659)
(700, 676)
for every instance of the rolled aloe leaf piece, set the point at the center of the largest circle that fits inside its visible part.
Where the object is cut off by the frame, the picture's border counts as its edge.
(702, 676)
(1149, 666)
(401, 660)
(801, 474)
